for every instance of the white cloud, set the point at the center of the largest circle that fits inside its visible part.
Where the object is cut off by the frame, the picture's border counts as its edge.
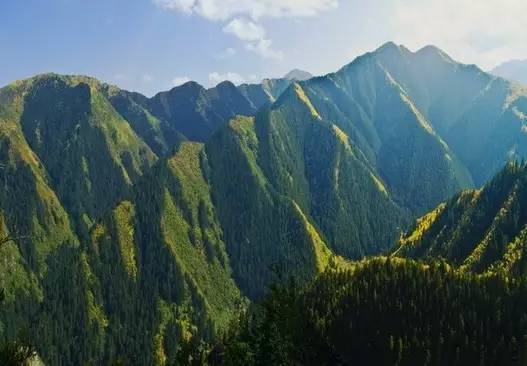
(245, 30)
(233, 77)
(482, 32)
(264, 48)
(254, 35)
(237, 13)
(179, 80)
(225, 9)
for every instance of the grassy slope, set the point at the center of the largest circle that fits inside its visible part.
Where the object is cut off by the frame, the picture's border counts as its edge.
(173, 276)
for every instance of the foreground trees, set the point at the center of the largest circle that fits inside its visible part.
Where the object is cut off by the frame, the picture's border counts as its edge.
(386, 311)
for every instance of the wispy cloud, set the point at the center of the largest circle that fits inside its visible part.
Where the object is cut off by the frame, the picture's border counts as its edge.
(243, 17)
(256, 9)
(245, 30)
(254, 35)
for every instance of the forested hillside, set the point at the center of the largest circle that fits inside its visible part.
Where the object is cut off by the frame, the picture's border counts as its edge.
(384, 311)
(479, 230)
(462, 301)
(137, 225)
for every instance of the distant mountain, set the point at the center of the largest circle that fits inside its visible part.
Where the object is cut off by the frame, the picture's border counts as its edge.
(190, 111)
(196, 112)
(264, 93)
(515, 70)
(475, 118)
(298, 75)
(477, 230)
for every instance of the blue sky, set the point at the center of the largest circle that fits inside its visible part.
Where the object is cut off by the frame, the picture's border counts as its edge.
(152, 45)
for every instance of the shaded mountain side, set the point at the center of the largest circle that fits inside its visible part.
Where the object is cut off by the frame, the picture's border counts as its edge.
(67, 157)
(289, 168)
(262, 228)
(44, 256)
(153, 273)
(478, 115)
(193, 112)
(197, 112)
(161, 263)
(478, 230)
(264, 93)
(401, 145)
(455, 123)
(87, 152)
(158, 134)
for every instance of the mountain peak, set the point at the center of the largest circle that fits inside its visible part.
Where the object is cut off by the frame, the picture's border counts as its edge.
(388, 46)
(433, 51)
(189, 85)
(298, 75)
(226, 85)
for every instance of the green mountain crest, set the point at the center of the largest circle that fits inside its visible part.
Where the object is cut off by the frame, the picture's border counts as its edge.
(478, 230)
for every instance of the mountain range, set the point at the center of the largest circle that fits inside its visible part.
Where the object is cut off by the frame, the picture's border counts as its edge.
(165, 216)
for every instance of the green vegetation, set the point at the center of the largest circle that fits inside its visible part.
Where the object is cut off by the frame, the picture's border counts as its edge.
(385, 311)
(481, 231)
(138, 229)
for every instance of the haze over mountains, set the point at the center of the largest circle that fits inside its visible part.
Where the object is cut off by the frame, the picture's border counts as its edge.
(164, 215)
(513, 70)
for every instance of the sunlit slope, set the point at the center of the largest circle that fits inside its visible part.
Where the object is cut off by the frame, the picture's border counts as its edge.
(88, 152)
(162, 265)
(482, 230)
(270, 173)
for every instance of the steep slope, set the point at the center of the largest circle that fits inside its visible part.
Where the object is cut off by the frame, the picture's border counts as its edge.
(158, 134)
(44, 257)
(163, 272)
(264, 93)
(479, 116)
(197, 112)
(477, 230)
(429, 126)
(367, 102)
(150, 272)
(515, 70)
(158, 239)
(87, 151)
(295, 185)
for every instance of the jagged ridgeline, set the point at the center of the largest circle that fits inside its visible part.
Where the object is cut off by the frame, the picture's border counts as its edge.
(106, 260)
(477, 230)
(141, 222)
